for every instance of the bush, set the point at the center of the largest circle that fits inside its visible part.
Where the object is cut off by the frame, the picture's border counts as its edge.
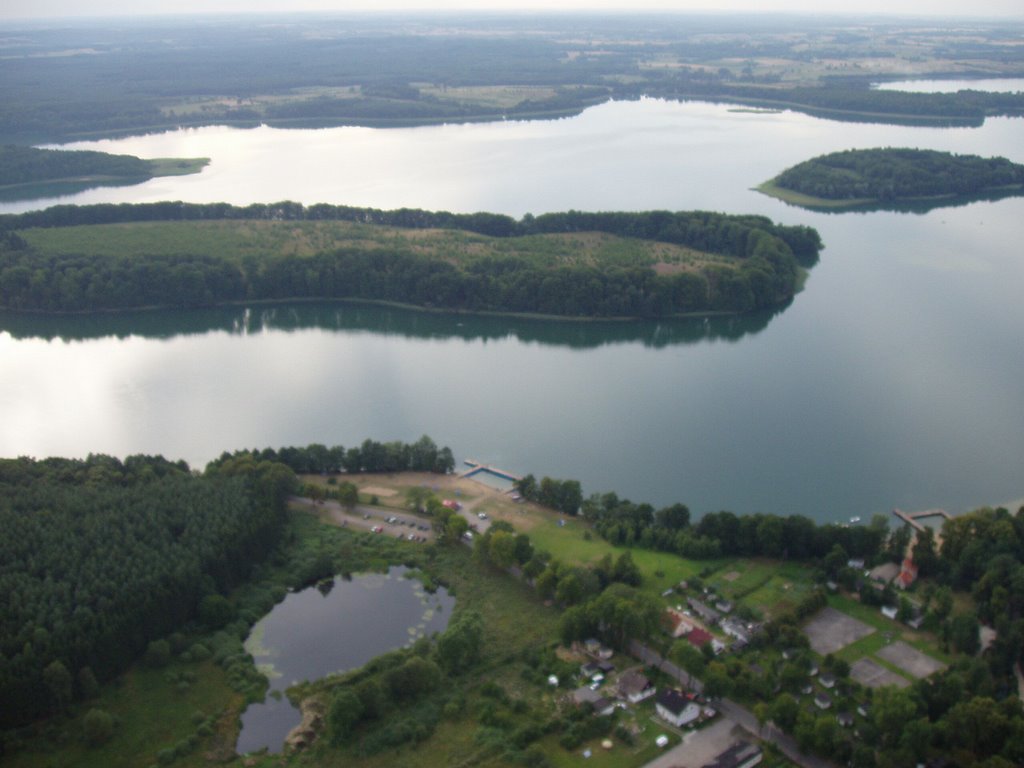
(199, 652)
(158, 653)
(215, 611)
(99, 727)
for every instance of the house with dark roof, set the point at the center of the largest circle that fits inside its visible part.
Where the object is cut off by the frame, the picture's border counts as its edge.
(675, 708)
(708, 614)
(635, 687)
(603, 706)
(822, 701)
(741, 755)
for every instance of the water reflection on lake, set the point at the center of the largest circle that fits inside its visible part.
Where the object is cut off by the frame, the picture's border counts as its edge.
(892, 380)
(335, 627)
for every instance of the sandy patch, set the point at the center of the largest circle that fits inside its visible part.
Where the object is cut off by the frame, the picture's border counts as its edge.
(376, 490)
(732, 575)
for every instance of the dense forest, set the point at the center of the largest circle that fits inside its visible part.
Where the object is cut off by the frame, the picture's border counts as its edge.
(369, 456)
(892, 174)
(765, 272)
(24, 165)
(64, 82)
(99, 557)
(30, 165)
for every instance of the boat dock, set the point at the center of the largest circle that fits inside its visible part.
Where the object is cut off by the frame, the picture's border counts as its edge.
(913, 518)
(477, 466)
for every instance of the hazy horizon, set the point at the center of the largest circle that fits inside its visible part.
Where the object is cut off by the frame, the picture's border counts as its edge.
(56, 9)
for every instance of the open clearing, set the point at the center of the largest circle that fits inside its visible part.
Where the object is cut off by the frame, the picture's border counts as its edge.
(874, 675)
(910, 660)
(832, 630)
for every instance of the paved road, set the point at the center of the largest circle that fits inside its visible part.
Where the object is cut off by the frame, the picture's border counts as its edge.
(735, 712)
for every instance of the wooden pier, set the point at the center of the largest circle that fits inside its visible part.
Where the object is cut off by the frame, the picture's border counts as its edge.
(476, 466)
(911, 518)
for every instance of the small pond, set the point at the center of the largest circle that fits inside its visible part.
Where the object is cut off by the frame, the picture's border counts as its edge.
(333, 627)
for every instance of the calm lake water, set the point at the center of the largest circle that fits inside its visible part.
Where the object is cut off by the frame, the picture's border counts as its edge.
(993, 85)
(893, 380)
(316, 632)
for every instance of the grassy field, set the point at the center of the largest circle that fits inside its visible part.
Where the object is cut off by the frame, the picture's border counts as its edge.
(241, 240)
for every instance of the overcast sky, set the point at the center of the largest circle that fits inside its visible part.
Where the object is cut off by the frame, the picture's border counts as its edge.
(58, 8)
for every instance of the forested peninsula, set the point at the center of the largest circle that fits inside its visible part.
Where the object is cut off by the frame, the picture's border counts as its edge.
(856, 178)
(23, 167)
(573, 264)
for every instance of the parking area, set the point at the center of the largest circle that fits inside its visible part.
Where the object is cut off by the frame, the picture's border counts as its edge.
(832, 630)
(874, 675)
(910, 660)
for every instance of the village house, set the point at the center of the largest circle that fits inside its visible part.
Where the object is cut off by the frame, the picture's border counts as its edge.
(603, 706)
(676, 624)
(907, 575)
(741, 755)
(707, 614)
(676, 709)
(634, 686)
(822, 701)
(699, 637)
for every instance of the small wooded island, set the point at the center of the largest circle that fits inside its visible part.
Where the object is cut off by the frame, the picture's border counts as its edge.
(884, 178)
(652, 264)
(22, 169)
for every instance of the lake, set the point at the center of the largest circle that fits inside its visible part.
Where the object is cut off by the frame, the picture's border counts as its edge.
(333, 628)
(990, 84)
(893, 380)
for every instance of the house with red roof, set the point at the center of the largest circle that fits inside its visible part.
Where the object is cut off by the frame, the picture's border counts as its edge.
(908, 574)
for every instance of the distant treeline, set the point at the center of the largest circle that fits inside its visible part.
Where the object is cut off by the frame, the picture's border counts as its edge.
(26, 165)
(849, 101)
(894, 174)
(766, 272)
(100, 557)
(370, 456)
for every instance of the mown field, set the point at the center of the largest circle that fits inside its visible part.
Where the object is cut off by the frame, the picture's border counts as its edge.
(239, 241)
